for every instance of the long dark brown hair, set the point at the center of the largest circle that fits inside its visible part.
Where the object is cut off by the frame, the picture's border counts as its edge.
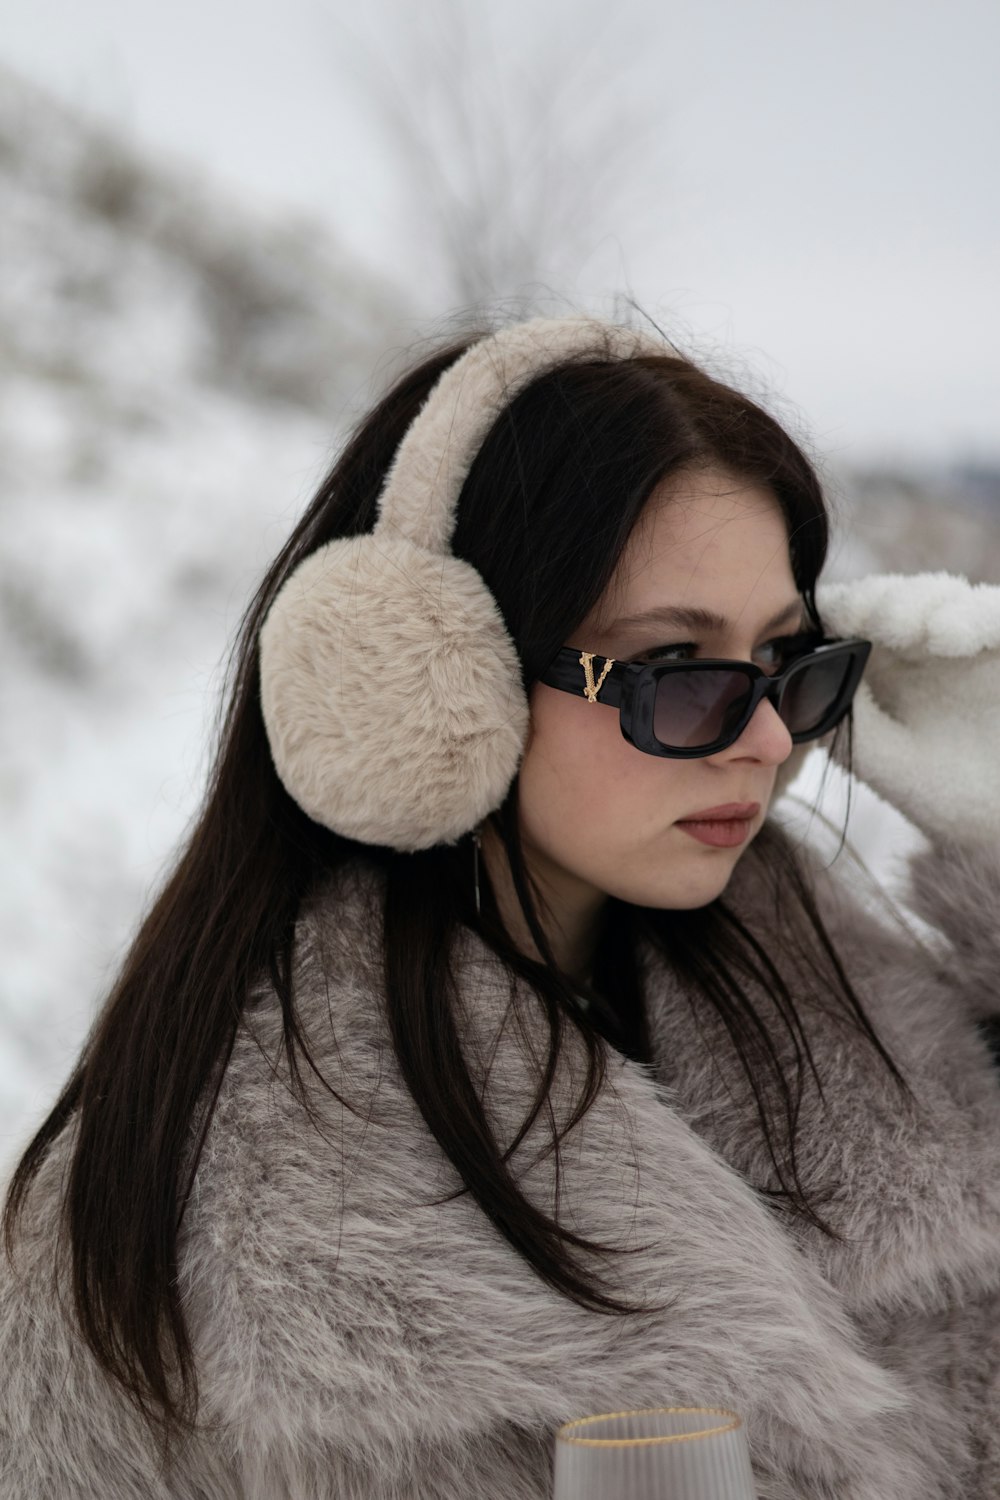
(544, 515)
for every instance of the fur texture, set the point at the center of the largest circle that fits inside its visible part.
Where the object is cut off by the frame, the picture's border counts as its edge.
(930, 697)
(360, 1335)
(392, 693)
(390, 687)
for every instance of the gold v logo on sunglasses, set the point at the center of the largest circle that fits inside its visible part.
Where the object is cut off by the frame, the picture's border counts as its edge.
(592, 688)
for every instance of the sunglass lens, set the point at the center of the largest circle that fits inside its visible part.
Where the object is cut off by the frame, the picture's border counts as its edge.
(692, 709)
(812, 692)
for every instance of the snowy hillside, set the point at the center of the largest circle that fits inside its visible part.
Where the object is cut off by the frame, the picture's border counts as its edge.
(173, 373)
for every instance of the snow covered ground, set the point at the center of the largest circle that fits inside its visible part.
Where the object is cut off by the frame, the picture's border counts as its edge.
(174, 374)
(157, 442)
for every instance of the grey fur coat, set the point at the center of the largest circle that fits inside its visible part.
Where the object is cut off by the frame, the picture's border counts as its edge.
(354, 1340)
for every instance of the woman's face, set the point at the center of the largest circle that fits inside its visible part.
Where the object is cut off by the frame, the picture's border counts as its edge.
(599, 817)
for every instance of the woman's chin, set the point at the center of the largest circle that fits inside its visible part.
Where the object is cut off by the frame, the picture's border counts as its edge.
(688, 886)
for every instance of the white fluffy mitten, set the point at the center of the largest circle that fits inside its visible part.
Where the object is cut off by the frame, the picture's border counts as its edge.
(927, 712)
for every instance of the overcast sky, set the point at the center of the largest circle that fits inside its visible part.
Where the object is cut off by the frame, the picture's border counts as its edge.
(808, 187)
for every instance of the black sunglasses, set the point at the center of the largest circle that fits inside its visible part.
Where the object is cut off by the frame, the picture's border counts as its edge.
(689, 708)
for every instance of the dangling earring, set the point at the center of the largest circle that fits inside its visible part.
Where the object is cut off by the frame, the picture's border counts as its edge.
(475, 867)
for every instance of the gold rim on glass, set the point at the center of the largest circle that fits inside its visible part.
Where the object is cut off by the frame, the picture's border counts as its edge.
(564, 1433)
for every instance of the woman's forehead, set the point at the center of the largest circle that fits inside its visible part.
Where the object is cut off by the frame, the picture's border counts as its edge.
(712, 547)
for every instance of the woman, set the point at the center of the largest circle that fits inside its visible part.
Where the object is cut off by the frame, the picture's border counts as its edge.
(491, 1057)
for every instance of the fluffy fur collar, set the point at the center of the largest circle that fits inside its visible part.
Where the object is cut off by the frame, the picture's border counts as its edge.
(360, 1333)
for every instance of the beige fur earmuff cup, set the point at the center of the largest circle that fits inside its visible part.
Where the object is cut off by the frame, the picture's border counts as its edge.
(391, 692)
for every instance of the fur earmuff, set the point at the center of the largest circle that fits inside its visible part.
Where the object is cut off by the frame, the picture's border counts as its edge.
(392, 692)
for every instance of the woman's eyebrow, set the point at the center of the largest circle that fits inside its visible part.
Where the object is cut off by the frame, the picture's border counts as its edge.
(692, 617)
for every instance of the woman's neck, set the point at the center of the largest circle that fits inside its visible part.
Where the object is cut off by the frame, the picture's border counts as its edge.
(572, 923)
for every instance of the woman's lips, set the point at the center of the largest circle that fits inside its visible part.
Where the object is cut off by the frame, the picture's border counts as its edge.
(724, 826)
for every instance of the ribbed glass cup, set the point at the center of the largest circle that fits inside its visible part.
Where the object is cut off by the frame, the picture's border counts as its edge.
(664, 1453)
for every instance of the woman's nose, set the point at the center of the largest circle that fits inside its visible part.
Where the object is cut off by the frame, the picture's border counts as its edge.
(766, 738)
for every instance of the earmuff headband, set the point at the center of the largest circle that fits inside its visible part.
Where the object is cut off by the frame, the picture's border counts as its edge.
(391, 690)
